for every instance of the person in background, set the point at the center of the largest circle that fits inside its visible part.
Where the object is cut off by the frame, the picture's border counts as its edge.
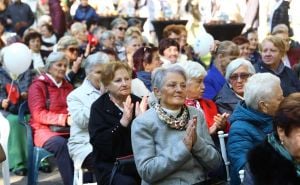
(110, 125)
(145, 60)
(170, 141)
(252, 120)
(243, 44)
(273, 49)
(13, 92)
(119, 27)
(75, 73)
(195, 73)
(85, 12)
(237, 73)
(252, 36)
(277, 159)
(214, 80)
(47, 101)
(169, 51)
(131, 44)
(79, 104)
(49, 39)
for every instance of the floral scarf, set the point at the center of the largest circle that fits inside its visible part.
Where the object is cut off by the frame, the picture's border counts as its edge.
(179, 123)
(282, 151)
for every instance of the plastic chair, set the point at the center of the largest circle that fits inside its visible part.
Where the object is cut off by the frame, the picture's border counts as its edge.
(242, 175)
(4, 133)
(35, 154)
(222, 136)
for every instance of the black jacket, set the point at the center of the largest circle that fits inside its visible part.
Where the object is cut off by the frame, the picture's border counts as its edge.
(267, 167)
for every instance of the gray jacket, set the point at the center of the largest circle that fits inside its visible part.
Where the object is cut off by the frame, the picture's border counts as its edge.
(79, 105)
(161, 156)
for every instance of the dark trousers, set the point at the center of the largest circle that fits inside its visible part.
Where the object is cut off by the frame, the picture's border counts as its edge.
(58, 146)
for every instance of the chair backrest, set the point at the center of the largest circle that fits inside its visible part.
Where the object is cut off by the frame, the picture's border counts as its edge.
(23, 111)
(222, 137)
(4, 134)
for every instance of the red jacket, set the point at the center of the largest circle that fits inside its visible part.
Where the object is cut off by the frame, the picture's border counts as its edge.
(41, 117)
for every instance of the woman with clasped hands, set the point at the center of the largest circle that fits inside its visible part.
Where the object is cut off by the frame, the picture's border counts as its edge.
(110, 124)
(170, 141)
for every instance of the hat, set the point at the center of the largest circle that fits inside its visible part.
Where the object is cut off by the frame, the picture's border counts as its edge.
(54, 57)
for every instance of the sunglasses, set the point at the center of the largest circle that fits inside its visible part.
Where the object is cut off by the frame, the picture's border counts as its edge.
(242, 76)
(122, 28)
(72, 50)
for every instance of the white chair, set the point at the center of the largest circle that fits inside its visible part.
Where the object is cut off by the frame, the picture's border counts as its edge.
(222, 136)
(4, 133)
(78, 176)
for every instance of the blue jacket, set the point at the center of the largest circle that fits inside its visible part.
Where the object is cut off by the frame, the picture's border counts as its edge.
(213, 82)
(248, 128)
(85, 13)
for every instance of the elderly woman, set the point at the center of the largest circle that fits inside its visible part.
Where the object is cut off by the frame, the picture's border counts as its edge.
(170, 141)
(252, 119)
(214, 81)
(273, 49)
(107, 40)
(47, 103)
(195, 73)
(237, 73)
(79, 103)
(75, 73)
(277, 159)
(131, 44)
(119, 27)
(110, 125)
(169, 51)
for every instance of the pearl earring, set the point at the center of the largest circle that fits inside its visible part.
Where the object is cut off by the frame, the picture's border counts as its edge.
(281, 142)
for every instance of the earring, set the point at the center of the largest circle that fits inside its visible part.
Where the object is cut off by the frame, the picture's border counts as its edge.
(281, 142)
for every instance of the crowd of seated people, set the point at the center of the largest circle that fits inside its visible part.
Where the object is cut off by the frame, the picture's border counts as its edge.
(117, 94)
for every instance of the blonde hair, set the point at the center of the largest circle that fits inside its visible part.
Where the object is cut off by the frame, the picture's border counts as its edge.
(277, 42)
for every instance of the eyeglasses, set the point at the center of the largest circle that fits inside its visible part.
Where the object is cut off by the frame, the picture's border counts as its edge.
(122, 28)
(242, 76)
(72, 50)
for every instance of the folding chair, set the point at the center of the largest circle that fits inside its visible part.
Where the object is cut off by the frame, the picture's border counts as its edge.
(222, 136)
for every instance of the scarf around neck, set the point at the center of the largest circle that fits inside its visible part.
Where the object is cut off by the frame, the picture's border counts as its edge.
(282, 151)
(179, 123)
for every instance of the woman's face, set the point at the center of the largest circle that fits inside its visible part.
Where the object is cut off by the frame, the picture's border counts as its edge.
(120, 86)
(291, 142)
(253, 38)
(133, 45)
(155, 63)
(35, 45)
(95, 75)
(72, 52)
(173, 92)
(195, 88)
(109, 42)
(119, 32)
(45, 32)
(222, 61)
(272, 103)
(58, 70)
(244, 50)
(171, 53)
(238, 79)
(271, 55)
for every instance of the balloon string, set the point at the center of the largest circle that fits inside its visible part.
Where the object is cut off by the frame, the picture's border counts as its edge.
(9, 92)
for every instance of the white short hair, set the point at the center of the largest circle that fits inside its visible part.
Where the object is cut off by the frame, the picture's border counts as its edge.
(235, 64)
(260, 87)
(192, 69)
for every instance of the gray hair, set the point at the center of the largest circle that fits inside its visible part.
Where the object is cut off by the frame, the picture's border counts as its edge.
(260, 87)
(105, 35)
(95, 59)
(129, 39)
(192, 69)
(159, 75)
(235, 64)
(118, 21)
(53, 58)
(66, 41)
(77, 27)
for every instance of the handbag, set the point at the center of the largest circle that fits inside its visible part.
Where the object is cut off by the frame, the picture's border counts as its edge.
(2, 154)
(55, 128)
(124, 165)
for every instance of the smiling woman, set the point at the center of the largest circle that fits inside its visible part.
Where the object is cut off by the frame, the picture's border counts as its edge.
(170, 141)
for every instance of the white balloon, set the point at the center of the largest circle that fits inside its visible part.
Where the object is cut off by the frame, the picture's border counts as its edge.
(17, 58)
(203, 43)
